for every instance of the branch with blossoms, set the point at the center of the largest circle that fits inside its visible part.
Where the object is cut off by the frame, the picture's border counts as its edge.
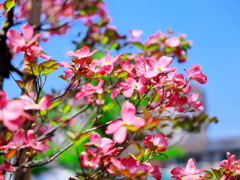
(116, 99)
(142, 87)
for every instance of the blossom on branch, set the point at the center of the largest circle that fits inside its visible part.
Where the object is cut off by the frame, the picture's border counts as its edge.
(129, 121)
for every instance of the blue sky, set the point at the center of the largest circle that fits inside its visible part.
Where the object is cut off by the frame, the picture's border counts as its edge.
(213, 26)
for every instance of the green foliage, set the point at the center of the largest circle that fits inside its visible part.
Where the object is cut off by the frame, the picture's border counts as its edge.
(8, 4)
(193, 124)
(171, 152)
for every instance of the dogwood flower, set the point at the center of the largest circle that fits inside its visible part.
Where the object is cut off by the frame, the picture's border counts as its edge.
(11, 112)
(119, 127)
(22, 42)
(158, 142)
(195, 73)
(154, 67)
(190, 172)
(83, 52)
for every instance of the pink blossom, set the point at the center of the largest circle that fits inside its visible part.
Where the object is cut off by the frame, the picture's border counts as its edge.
(177, 101)
(37, 146)
(28, 103)
(107, 63)
(154, 67)
(153, 171)
(158, 142)
(22, 42)
(89, 89)
(83, 52)
(192, 101)
(104, 145)
(35, 51)
(89, 160)
(7, 167)
(21, 140)
(11, 112)
(190, 172)
(173, 42)
(18, 141)
(231, 165)
(119, 127)
(131, 84)
(135, 34)
(128, 167)
(128, 67)
(195, 73)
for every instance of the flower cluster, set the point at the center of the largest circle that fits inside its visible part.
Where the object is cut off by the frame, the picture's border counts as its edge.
(230, 170)
(105, 156)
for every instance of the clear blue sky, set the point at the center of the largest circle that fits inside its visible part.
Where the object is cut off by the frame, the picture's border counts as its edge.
(213, 26)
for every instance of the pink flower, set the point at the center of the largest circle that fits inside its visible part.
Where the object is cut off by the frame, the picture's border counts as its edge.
(153, 171)
(35, 51)
(131, 84)
(158, 142)
(20, 141)
(89, 89)
(154, 67)
(190, 172)
(128, 67)
(22, 43)
(128, 167)
(37, 146)
(89, 160)
(177, 101)
(195, 73)
(7, 167)
(135, 34)
(28, 103)
(106, 63)
(231, 165)
(119, 127)
(173, 42)
(104, 144)
(83, 52)
(192, 101)
(11, 112)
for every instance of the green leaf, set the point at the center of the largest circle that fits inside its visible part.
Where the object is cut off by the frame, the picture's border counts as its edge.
(27, 70)
(217, 173)
(80, 138)
(54, 104)
(66, 108)
(21, 84)
(185, 46)
(34, 68)
(48, 71)
(152, 47)
(113, 46)
(131, 128)
(63, 78)
(109, 106)
(123, 74)
(29, 83)
(138, 146)
(47, 64)
(71, 135)
(210, 174)
(8, 4)
(139, 45)
(105, 40)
